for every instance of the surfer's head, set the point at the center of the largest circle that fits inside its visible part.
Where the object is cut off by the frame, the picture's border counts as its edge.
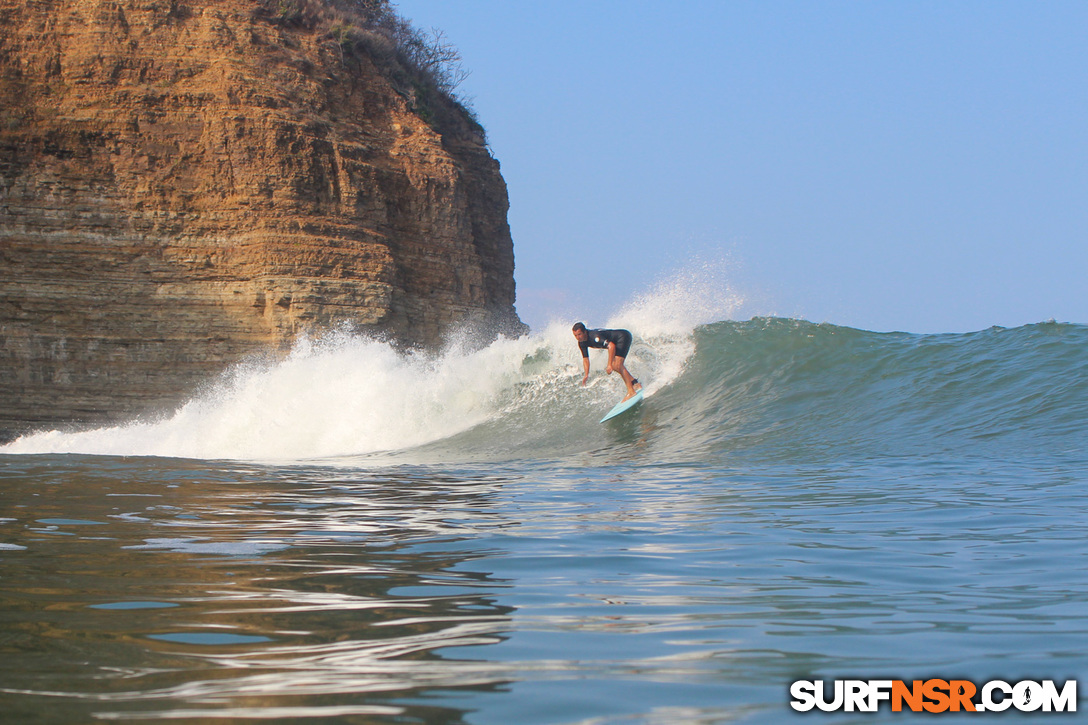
(579, 331)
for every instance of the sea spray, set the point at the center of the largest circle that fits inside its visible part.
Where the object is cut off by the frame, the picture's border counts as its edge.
(697, 294)
(664, 317)
(344, 395)
(347, 395)
(338, 395)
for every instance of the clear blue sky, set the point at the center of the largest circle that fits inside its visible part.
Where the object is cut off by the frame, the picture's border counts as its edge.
(918, 166)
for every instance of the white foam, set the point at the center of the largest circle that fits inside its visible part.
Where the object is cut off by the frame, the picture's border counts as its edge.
(346, 395)
(664, 317)
(341, 395)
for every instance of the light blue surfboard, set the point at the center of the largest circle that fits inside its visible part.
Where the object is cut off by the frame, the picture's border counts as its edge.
(624, 406)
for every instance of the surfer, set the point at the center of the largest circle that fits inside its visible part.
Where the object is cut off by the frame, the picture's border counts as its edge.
(618, 344)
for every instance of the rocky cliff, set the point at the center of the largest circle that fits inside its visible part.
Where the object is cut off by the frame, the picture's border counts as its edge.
(183, 184)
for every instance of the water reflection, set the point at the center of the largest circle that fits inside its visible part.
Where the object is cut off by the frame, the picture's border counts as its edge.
(574, 590)
(154, 588)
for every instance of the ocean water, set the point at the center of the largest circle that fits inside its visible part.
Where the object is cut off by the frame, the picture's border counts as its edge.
(354, 535)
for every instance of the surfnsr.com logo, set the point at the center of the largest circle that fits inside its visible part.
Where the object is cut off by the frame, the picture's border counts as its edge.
(934, 695)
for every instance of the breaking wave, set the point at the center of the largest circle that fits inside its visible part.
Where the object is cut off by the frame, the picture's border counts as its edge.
(767, 387)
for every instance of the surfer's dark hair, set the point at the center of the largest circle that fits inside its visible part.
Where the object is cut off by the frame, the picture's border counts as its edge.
(578, 327)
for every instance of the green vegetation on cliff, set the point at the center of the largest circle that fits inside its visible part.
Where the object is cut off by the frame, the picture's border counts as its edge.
(422, 65)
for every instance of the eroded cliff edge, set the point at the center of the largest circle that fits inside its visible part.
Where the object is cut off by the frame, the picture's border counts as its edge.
(183, 184)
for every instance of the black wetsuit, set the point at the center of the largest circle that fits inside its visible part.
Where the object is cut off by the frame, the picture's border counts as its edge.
(600, 339)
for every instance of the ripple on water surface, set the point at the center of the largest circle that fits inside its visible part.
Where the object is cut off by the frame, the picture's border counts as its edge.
(550, 591)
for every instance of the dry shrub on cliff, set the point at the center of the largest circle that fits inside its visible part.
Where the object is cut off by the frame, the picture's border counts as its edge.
(425, 65)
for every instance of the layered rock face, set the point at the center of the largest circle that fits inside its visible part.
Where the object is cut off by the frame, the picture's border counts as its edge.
(183, 184)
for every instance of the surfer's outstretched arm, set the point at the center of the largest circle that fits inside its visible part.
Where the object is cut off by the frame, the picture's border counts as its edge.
(585, 368)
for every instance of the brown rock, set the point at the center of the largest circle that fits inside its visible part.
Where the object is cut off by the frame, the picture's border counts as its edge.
(183, 184)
